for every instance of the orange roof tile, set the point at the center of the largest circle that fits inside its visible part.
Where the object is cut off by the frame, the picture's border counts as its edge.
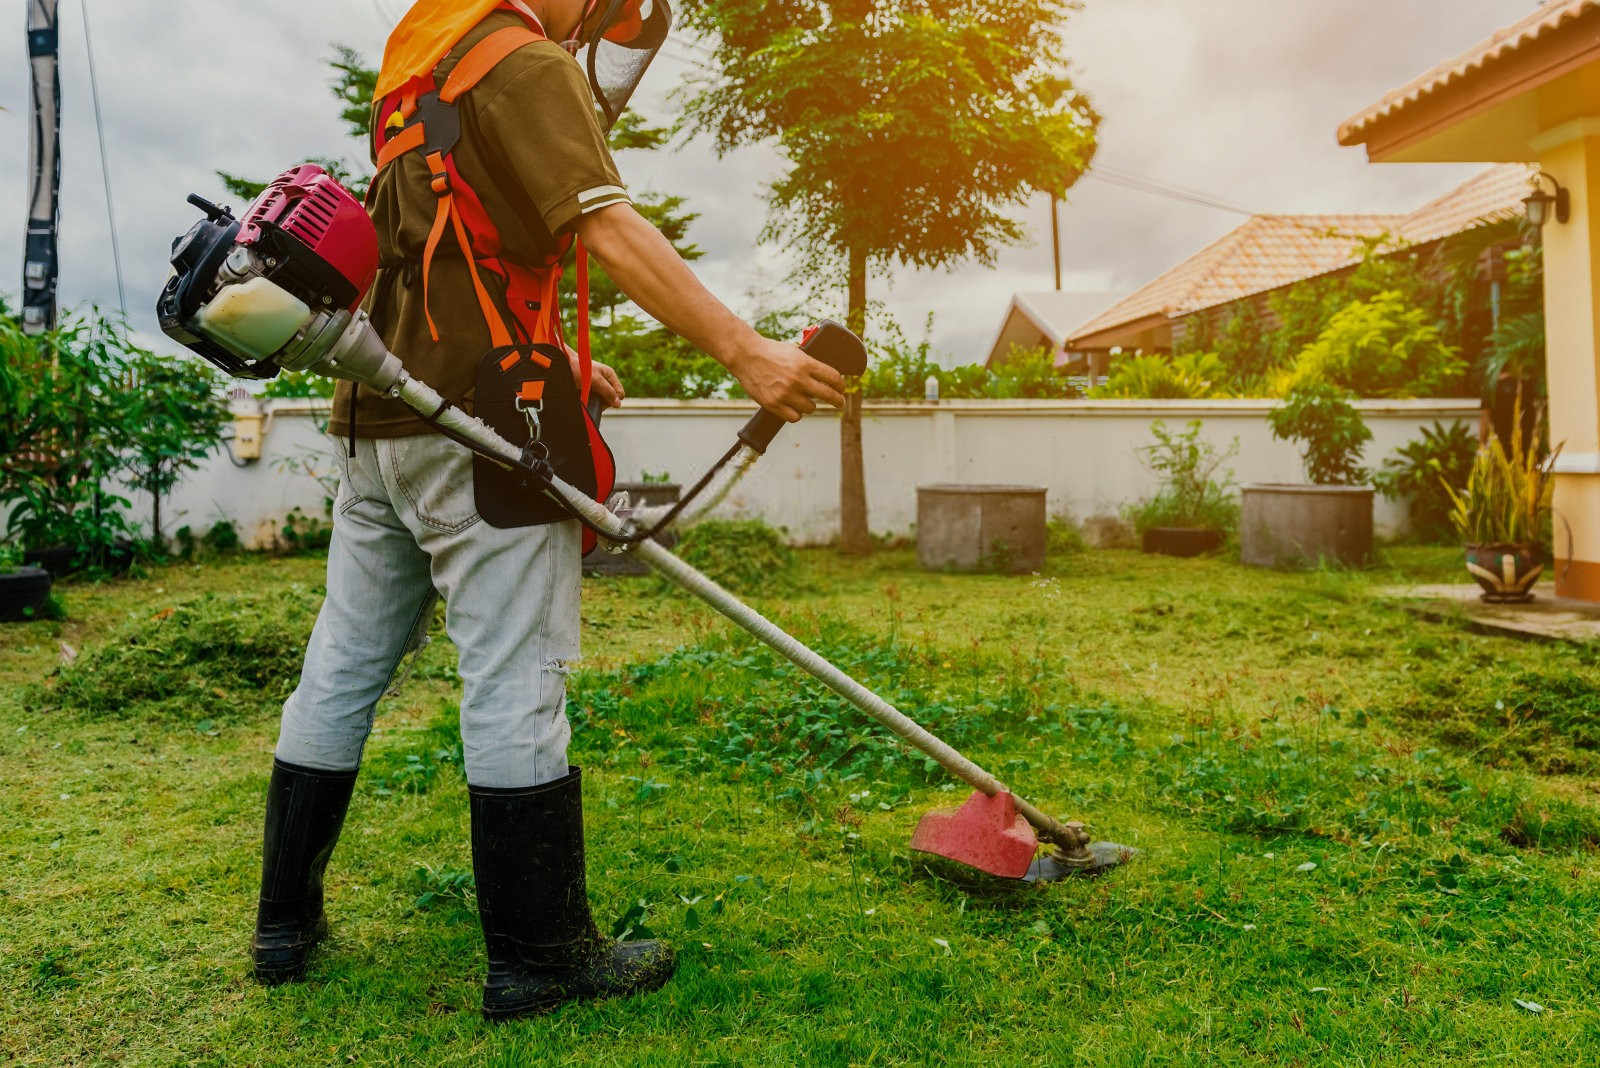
(1493, 196)
(1550, 16)
(1270, 251)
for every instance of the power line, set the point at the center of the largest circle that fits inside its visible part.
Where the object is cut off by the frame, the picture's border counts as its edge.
(1154, 187)
(105, 162)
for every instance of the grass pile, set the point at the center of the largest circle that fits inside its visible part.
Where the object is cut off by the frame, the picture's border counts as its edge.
(214, 656)
(743, 555)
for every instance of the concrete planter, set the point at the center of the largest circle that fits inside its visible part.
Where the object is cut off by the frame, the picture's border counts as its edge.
(981, 528)
(1283, 525)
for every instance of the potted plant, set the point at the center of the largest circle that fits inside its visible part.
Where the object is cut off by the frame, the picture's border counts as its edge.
(1501, 512)
(24, 591)
(1194, 509)
(1331, 517)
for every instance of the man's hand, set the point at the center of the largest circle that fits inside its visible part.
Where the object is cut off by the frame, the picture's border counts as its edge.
(602, 379)
(785, 381)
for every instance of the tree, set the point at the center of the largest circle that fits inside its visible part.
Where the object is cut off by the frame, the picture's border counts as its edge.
(909, 131)
(176, 414)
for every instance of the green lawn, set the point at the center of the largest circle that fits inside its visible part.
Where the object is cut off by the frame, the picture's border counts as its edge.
(1366, 838)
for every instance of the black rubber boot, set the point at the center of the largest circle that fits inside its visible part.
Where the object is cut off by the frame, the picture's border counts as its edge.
(544, 949)
(305, 811)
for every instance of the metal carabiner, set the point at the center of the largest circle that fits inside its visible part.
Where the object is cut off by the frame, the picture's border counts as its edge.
(531, 411)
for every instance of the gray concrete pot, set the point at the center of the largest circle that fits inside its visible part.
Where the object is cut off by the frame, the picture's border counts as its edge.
(981, 528)
(1292, 525)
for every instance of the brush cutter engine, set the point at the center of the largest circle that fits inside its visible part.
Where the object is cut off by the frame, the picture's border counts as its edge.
(276, 289)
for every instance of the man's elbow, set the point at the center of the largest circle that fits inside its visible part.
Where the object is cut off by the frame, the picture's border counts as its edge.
(605, 232)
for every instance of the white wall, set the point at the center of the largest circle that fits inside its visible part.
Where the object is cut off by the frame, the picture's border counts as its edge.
(1083, 452)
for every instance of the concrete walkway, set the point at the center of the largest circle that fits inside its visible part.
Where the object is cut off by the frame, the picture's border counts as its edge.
(1545, 618)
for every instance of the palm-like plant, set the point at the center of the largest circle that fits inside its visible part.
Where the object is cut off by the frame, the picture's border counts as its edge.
(1508, 491)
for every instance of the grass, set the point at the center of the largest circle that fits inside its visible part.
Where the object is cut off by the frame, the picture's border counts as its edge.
(1367, 839)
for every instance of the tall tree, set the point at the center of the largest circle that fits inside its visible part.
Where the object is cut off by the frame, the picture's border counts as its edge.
(911, 130)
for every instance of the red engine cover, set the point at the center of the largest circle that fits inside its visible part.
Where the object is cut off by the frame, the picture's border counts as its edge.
(310, 205)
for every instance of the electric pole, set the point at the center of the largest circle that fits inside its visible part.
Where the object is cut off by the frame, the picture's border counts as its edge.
(40, 262)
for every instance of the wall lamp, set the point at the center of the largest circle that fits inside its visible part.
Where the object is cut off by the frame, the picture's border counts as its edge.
(1538, 202)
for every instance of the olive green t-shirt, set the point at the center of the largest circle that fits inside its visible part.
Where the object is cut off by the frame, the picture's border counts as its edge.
(532, 149)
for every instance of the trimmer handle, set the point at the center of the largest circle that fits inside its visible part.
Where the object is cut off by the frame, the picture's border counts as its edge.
(828, 342)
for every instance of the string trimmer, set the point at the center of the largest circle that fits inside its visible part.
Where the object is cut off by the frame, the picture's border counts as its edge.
(279, 288)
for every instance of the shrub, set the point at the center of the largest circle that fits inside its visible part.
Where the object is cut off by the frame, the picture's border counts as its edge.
(1379, 347)
(1063, 537)
(745, 555)
(82, 408)
(1193, 493)
(1188, 377)
(299, 384)
(1331, 432)
(1422, 473)
(1507, 494)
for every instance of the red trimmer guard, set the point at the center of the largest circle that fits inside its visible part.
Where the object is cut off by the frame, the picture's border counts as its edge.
(986, 833)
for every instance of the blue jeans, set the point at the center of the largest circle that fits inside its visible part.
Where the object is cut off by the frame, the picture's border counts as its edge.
(405, 525)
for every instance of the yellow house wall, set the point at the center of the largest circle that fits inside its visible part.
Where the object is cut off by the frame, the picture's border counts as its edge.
(1572, 328)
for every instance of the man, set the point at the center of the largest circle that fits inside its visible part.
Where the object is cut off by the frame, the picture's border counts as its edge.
(407, 520)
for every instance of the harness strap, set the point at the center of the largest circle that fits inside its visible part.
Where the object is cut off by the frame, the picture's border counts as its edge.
(407, 140)
(585, 355)
(483, 58)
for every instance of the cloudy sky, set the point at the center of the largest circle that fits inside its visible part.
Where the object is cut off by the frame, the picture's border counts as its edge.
(1238, 99)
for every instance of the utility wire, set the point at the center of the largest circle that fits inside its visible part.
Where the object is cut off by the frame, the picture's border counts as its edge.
(1127, 180)
(105, 162)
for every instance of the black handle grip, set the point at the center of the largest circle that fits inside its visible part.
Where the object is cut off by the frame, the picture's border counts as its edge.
(828, 342)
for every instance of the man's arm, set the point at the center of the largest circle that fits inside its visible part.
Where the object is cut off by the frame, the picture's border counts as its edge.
(780, 377)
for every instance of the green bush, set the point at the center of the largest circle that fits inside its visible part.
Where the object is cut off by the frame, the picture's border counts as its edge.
(1063, 537)
(745, 555)
(1195, 490)
(1331, 433)
(1192, 376)
(299, 384)
(1381, 347)
(82, 410)
(1421, 473)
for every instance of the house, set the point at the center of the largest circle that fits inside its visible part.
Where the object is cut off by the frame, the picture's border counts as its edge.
(1269, 252)
(1044, 320)
(1530, 94)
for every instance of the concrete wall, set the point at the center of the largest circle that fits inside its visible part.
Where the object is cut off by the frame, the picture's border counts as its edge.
(1083, 452)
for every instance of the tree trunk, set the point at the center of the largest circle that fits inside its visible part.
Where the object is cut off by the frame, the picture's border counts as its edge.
(156, 539)
(854, 534)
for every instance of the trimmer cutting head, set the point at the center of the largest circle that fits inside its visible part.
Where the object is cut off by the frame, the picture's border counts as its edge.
(988, 835)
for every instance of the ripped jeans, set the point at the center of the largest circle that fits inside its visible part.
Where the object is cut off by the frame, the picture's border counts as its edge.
(405, 525)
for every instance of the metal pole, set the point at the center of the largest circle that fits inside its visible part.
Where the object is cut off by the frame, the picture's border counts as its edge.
(41, 254)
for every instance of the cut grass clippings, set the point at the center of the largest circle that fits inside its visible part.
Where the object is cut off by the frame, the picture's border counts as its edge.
(1334, 869)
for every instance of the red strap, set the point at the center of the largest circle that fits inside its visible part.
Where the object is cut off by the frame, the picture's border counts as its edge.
(585, 354)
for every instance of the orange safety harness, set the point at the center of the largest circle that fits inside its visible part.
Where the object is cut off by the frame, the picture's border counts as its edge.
(421, 117)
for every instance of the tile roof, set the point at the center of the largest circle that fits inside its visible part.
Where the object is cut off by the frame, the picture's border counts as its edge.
(1549, 17)
(1270, 251)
